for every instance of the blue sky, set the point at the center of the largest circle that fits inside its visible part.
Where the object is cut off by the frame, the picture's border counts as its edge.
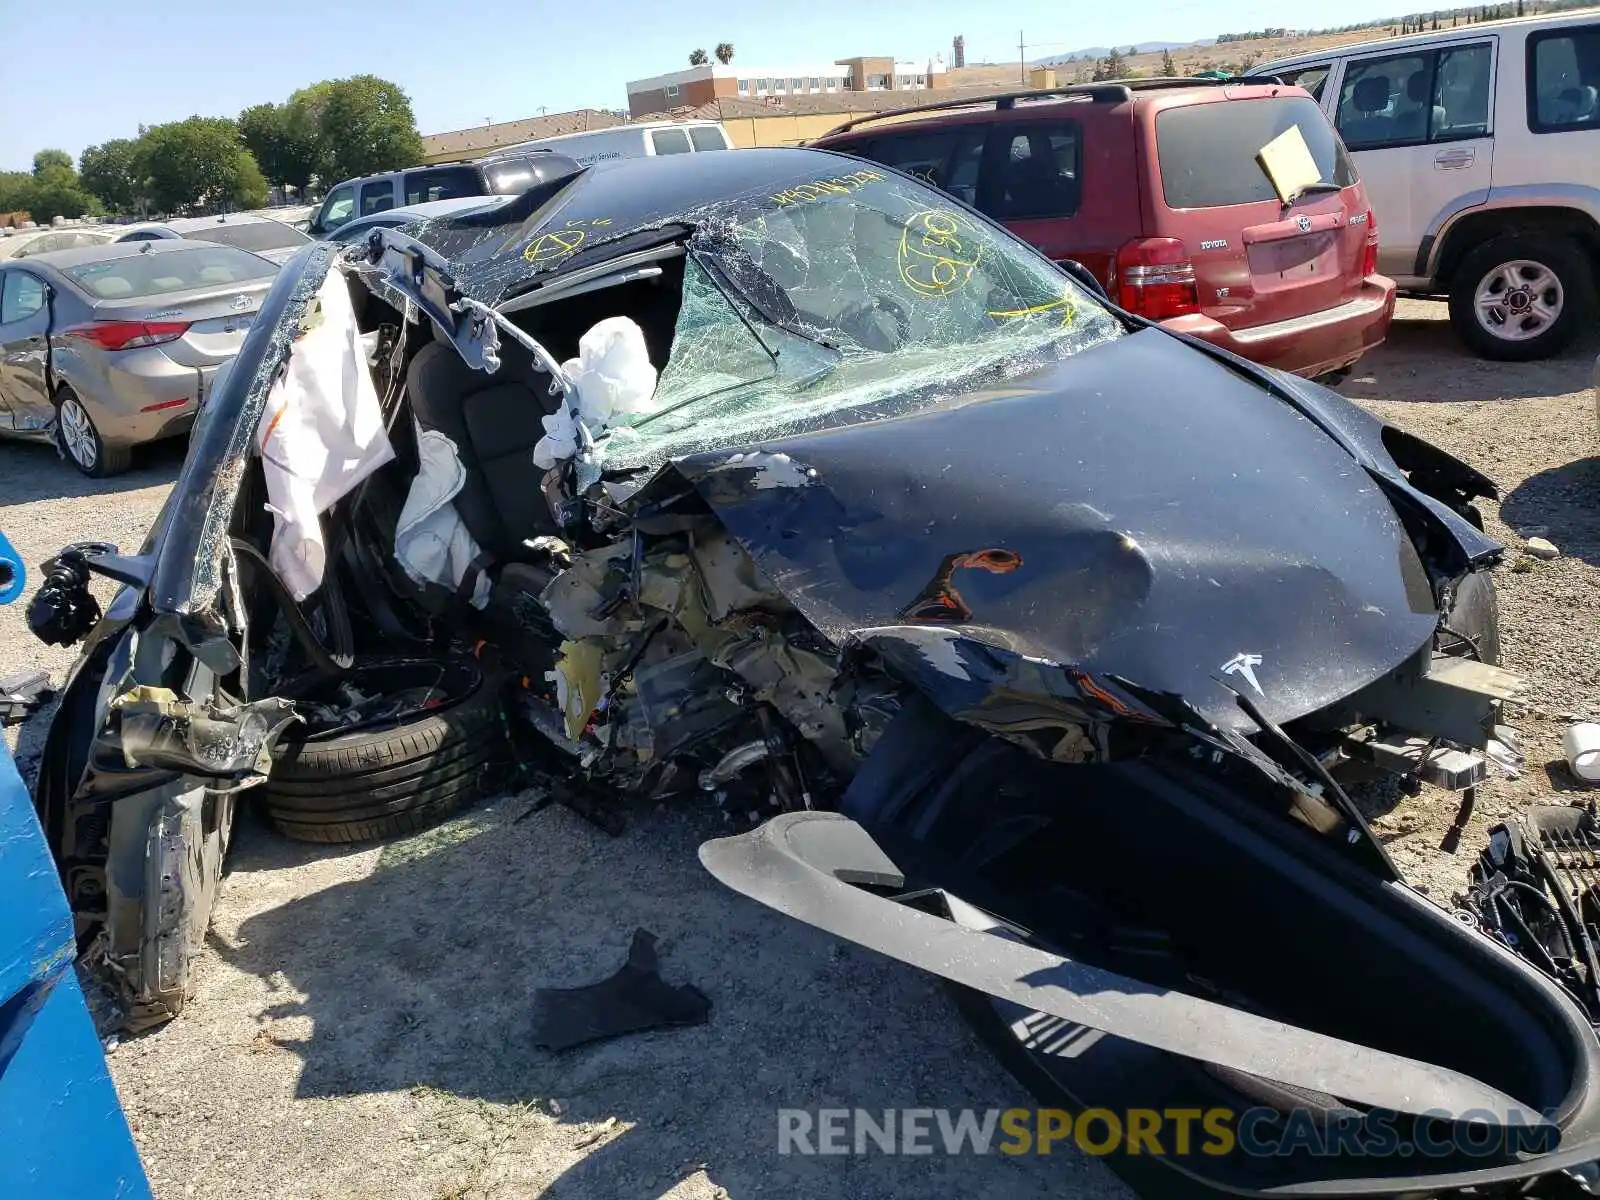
(99, 68)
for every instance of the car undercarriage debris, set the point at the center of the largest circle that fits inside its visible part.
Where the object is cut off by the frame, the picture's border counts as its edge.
(1536, 889)
(633, 1000)
(22, 695)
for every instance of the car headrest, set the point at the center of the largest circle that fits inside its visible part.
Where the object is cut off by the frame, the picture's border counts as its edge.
(112, 287)
(1372, 94)
(1417, 87)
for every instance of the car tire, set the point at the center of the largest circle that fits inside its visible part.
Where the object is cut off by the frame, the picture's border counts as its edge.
(406, 776)
(1533, 270)
(80, 442)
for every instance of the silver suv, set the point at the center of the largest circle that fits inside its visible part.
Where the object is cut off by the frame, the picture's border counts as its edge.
(502, 175)
(1480, 150)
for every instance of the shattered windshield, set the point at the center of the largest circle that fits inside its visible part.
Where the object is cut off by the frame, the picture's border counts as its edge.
(841, 293)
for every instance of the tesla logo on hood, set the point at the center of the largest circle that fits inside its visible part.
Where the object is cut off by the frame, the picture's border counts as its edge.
(1244, 665)
(240, 303)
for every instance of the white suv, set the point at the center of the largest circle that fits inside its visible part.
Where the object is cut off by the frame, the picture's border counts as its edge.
(1480, 150)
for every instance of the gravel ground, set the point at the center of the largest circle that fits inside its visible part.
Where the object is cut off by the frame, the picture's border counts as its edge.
(360, 1022)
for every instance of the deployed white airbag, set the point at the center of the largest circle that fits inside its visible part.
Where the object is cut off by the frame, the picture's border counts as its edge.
(614, 380)
(321, 434)
(431, 542)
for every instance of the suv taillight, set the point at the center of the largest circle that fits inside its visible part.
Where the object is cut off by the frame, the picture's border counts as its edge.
(1155, 279)
(1369, 256)
(125, 335)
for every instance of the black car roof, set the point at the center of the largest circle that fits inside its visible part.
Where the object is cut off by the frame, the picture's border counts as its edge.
(554, 224)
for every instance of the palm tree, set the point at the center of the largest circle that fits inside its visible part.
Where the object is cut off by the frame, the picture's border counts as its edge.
(724, 52)
(697, 58)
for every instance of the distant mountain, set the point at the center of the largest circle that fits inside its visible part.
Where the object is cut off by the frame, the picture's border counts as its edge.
(1102, 51)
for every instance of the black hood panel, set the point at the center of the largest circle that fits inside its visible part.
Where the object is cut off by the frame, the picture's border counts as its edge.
(1138, 511)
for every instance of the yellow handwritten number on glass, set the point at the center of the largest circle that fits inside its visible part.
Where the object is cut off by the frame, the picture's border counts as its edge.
(938, 252)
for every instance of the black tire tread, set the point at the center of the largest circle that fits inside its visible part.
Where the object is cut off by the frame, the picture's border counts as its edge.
(380, 802)
(361, 786)
(363, 753)
(290, 789)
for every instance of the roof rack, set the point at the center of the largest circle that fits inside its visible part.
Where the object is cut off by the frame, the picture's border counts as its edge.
(1114, 91)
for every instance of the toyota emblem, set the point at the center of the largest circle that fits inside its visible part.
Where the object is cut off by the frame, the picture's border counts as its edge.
(1304, 223)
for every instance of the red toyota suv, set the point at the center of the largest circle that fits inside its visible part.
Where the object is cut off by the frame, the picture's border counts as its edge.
(1154, 186)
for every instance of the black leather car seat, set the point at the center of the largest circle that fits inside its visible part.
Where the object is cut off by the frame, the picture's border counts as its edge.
(494, 421)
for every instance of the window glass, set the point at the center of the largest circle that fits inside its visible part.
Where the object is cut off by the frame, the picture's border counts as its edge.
(70, 240)
(1039, 173)
(823, 302)
(1564, 80)
(946, 158)
(1313, 79)
(1383, 101)
(1208, 151)
(1461, 93)
(339, 207)
(448, 183)
(156, 274)
(705, 137)
(670, 141)
(250, 235)
(376, 197)
(21, 296)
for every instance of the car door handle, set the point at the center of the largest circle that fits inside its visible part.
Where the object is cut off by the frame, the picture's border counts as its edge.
(1454, 160)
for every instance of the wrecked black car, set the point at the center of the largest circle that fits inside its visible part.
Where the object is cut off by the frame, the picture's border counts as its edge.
(1027, 642)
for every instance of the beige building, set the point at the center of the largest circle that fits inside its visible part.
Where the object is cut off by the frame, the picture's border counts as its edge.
(695, 86)
(483, 139)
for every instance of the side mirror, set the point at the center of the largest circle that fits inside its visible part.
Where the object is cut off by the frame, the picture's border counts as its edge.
(1084, 277)
(303, 225)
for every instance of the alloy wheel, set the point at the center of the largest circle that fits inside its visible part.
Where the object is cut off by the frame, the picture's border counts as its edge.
(77, 434)
(1519, 300)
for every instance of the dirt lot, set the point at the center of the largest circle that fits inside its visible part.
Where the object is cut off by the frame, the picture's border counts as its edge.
(360, 1025)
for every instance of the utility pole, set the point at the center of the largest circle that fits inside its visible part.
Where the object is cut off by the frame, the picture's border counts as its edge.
(1022, 58)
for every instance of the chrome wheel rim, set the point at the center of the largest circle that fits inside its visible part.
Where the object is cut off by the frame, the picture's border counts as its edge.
(77, 434)
(1519, 300)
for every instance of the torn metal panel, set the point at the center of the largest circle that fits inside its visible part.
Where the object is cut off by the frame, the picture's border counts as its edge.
(1107, 571)
(153, 727)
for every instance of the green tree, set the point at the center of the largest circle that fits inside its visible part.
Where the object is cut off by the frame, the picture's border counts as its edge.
(200, 164)
(284, 139)
(697, 58)
(112, 172)
(56, 190)
(364, 125)
(249, 186)
(724, 52)
(1168, 67)
(16, 191)
(306, 155)
(1112, 66)
(53, 167)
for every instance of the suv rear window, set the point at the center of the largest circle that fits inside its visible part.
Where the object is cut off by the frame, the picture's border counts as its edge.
(1208, 151)
(157, 274)
(449, 183)
(706, 138)
(508, 176)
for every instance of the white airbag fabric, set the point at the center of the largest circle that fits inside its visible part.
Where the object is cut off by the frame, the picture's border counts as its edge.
(431, 542)
(614, 380)
(320, 435)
